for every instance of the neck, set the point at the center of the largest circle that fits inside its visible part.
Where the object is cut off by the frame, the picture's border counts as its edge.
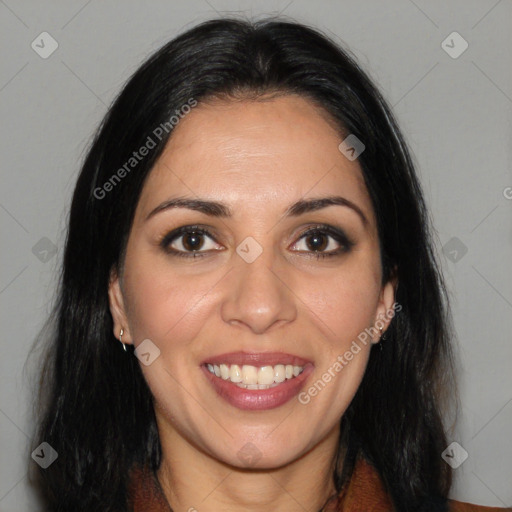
(194, 481)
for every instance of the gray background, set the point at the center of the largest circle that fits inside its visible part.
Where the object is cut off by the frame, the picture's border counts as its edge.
(456, 117)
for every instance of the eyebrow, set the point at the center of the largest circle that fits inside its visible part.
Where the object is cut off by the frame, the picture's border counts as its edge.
(222, 210)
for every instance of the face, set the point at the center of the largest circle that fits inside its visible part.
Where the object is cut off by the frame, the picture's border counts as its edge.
(264, 288)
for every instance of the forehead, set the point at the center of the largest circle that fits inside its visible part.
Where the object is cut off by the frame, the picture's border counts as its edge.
(253, 153)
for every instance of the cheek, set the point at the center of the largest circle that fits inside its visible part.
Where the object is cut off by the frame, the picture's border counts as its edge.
(169, 309)
(162, 304)
(342, 306)
(345, 299)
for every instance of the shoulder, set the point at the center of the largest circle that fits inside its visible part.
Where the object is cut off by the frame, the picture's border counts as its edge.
(459, 506)
(366, 491)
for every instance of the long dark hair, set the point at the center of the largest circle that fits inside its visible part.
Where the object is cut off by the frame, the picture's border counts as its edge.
(97, 408)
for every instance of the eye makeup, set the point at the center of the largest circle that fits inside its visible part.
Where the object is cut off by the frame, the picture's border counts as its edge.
(193, 235)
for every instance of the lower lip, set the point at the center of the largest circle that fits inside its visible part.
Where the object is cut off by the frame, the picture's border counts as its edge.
(258, 399)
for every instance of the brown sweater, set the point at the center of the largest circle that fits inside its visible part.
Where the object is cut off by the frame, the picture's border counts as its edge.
(364, 493)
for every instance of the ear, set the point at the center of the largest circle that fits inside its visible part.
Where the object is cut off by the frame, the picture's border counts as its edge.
(385, 310)
(117, 308)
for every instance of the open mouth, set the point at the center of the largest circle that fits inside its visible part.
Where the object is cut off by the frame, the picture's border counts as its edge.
(254, 377)
(269, 382)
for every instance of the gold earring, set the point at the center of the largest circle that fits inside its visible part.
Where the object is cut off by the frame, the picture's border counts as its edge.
(121, 332)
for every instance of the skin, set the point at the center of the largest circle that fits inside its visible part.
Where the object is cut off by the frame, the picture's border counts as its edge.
(258, 157)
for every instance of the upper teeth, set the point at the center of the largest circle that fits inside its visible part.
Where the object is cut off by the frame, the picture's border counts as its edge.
(253, 377)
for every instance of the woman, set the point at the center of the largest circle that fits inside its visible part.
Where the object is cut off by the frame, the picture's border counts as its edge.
(249, 225)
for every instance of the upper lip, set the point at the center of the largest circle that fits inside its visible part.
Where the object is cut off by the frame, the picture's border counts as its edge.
(257, 359)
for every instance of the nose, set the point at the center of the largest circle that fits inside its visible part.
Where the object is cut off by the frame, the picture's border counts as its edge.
(257, 295)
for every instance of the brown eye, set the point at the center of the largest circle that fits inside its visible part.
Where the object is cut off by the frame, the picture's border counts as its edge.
(192, 241)
(189, 241)
(317, 241)
(324, 241)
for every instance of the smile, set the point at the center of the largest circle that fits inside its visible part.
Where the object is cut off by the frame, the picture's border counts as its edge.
(252, 377)
(257, 381)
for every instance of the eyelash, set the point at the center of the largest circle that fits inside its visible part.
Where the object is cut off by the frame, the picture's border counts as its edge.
(339, 236)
